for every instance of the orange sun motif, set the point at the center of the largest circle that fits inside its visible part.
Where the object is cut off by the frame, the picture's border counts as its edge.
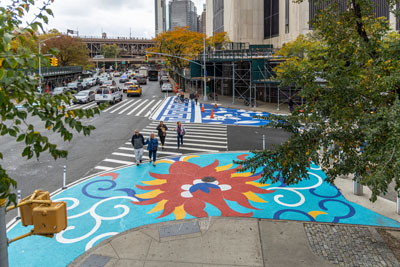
(188, 187)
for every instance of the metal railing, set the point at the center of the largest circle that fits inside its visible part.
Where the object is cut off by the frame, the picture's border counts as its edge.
(55, 71)
(239, 54)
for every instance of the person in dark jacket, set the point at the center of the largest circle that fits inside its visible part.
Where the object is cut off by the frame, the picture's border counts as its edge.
(162, 133)
(138, 143)
(152, 146)
(180, 132)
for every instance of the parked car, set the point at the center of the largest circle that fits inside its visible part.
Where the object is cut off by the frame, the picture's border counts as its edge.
(59, 90)
(83, 97)
(134, 90)
(110, 94)
(142, 80)
(166, 87)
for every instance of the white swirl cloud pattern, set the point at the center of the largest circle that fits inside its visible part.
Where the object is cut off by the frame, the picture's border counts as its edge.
(98, 220)
(295, 190)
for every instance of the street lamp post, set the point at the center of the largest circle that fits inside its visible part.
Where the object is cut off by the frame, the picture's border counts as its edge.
(205, 69)
(40, 61)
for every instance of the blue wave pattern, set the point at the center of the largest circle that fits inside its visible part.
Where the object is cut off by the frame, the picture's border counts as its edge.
(103, 206)
(233, 116)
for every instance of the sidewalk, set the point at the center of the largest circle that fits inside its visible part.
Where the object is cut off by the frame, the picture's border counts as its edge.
(227, 102)
(214, 241)
(125, 214)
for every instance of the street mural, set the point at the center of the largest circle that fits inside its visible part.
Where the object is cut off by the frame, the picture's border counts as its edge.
(232, 116)
(186, 112)
(182, 188)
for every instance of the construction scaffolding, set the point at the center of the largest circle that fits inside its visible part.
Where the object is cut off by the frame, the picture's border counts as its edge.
(245, 74)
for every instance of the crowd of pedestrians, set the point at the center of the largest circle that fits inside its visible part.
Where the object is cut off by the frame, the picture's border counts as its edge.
(138, 142)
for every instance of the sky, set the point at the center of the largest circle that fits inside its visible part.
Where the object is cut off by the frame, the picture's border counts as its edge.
(114, 17)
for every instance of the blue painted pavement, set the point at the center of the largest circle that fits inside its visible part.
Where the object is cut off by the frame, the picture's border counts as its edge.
(181, 188)
(171, 111)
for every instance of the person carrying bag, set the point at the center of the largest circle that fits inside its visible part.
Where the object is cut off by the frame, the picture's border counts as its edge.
(162, 133)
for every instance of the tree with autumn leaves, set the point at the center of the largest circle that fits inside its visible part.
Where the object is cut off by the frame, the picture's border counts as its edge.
(350, 122)
(183, 43)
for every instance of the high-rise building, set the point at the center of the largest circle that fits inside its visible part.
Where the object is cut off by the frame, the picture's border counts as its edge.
(183, 13)
(273, 22)
(161, 16)
(203, 20)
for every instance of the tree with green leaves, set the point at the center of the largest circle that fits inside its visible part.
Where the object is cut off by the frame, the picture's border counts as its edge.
(110, 51)
(18, 87)
(350, 122)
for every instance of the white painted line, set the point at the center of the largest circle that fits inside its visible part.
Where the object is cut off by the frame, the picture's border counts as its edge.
(103, 168)
(188, 127)
(187, 143)
(155, 106)
(158, 152)
(92, 105)
(220, 141)
(82, 106)
(192, 149)
(190, 130)
(121, 106)
(124, 154)
(198, 134)
(125, 109)
(119, 161)
(133, 110)
(155, 116)
(215, 126)
(143, 109)
(114, 106)
(197, 114)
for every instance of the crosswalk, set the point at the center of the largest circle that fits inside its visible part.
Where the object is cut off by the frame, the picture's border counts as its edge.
(199, 138)
(128, 106)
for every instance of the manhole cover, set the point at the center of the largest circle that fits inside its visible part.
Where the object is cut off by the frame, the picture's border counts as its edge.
(95, 261)
(179, 229)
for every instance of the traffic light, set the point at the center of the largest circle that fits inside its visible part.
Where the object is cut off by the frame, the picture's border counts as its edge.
(50, 219)
(54, 61)
(146, 58)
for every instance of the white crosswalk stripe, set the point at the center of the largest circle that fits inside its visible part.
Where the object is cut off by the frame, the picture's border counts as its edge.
(131, 107)
(143, 109)
(141, 104)
(200, 138)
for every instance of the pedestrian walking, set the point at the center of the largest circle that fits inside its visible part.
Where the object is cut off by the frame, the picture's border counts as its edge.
(162, 133)
(152, 146)
(180, 131)
(138, 143)
(196, 97)
(291, 104)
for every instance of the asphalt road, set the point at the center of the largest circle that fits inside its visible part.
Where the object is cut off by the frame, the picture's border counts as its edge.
(251, 138)
(84, 152)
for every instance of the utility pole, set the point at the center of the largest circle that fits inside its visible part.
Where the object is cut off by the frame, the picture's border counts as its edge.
(205, 69)
(40, 68)
(3, 235)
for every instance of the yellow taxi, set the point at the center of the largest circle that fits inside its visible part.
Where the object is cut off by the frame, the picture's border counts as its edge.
(134, 90)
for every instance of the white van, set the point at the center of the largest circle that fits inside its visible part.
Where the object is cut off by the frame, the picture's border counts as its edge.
(110, 94)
